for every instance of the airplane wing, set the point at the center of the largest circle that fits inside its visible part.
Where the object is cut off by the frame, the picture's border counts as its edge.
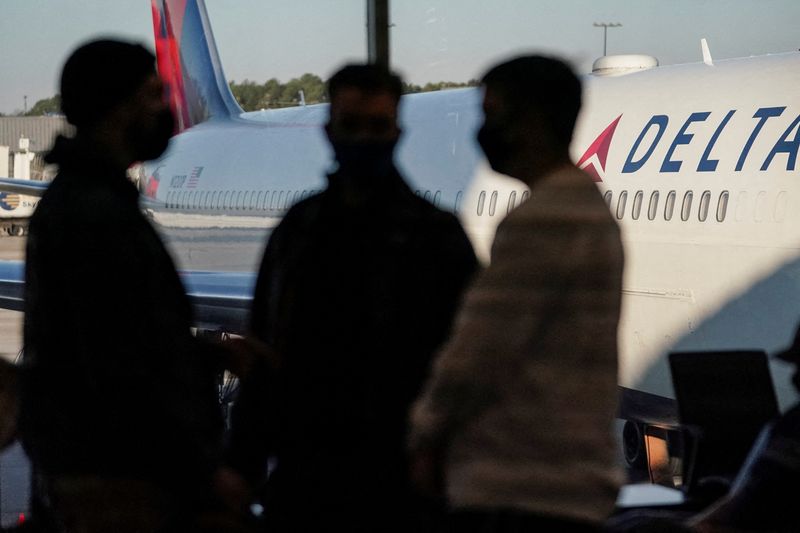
(26, 187)
(220, 300)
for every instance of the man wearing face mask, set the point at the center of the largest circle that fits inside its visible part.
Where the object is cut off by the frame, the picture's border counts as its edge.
(119, 409)
(356, 290)
(522, 399)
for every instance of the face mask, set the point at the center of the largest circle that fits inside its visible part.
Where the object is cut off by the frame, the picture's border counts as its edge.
(150, 142)
(365, 161)
(495, 145)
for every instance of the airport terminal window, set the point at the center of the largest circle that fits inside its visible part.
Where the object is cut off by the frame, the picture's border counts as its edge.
(481, 201)
(607, 196)
(492, 203)
(621, 201)
(652, 209)
(512, 201)
(525, 196)
(637, 205)
(705, 201)
(686, 208)
(669, 205)
(457, 206)
(722, 206)
(437, 198)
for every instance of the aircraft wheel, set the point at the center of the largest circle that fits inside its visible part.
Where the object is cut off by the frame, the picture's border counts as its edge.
(17, 230)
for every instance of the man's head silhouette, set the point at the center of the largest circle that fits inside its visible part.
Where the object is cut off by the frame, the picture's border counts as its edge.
(530, 104)
(111, 93)
(362, 127)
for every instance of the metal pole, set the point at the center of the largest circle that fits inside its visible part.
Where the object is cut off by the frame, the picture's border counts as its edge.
(378, 32)
(605, 26)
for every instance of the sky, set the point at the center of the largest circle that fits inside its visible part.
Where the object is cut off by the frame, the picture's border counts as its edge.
(431, 40)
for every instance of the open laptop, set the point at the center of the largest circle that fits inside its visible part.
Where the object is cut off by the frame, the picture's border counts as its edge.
(724, 400)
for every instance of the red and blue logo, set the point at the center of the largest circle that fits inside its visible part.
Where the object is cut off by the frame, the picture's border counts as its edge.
(593, 161)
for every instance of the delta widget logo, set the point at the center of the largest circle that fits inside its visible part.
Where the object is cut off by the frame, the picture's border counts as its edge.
(593, 161)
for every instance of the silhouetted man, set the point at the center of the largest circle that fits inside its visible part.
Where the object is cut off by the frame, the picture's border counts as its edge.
(521, 401)
(119, 404)
(356, 290)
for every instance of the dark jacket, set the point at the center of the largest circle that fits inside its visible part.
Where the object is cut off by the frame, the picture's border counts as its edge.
(355, 298)
(114, 383)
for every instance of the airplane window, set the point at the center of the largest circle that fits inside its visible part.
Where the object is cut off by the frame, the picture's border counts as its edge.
(669, 205)
(722, 206)
(623, 199)
(418, 193)
(226, 202)
(637, 205)
(437, 198)
(280, 199)
(512, 201)
(761, 206)
(481, 201)
(288, 200)
(652, 209)
(780, 206)
(273, 200)
(459, 196)
(427, 195)
(192, 199)
(607, 197)
(246, 202)
(169, 197)
(525, 196)
(686, 208)
(705, 201)
(258, 199)
(741, 206)
(304, 195)
(214, 199)
(183, 199)
(296, 197)
(492, 203)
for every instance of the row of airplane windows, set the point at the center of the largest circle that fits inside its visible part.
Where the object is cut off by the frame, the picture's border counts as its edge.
(236, 200)
(280, 200)
(685, 212)
(255, 200)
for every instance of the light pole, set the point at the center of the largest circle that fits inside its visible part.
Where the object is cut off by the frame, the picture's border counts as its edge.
(605, 26)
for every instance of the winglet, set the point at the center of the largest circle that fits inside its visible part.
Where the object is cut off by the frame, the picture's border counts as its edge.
(189, 64)
(706, 53)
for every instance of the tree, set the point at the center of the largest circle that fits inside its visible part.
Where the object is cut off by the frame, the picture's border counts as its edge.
(46, 106)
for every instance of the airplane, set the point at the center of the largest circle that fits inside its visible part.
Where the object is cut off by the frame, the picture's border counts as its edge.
(697, 162)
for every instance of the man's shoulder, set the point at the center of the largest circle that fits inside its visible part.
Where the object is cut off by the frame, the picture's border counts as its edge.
(567, 195)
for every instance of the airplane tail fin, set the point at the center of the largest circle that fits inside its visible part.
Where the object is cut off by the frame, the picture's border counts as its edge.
(189, 64)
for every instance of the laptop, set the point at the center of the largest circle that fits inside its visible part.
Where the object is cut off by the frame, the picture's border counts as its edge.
(724, 400)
